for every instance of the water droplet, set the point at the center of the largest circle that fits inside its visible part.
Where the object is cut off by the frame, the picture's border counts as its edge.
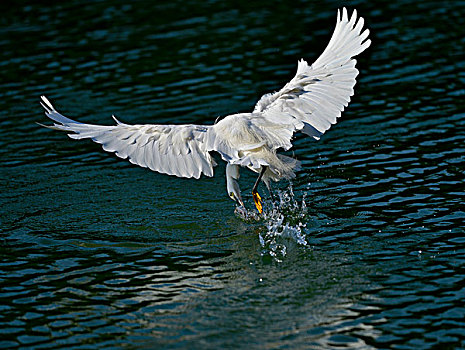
(285, 225)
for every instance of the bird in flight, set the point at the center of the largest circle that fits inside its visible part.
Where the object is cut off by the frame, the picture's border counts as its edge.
(310, 103)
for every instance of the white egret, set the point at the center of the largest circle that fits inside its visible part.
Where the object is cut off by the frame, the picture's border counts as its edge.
(311, 102)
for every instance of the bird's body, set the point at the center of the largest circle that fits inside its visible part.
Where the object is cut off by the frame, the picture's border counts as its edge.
(251, 141)
(311, 102)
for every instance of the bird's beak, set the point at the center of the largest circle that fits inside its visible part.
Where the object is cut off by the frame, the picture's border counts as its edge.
(258, 202)
(236, 199)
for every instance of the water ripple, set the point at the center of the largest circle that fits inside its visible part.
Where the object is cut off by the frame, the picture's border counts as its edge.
(365, 250)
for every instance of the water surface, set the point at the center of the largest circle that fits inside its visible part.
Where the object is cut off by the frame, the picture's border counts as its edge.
(366, 250)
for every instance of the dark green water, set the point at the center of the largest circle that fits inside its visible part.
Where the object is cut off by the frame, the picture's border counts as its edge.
(97, 253)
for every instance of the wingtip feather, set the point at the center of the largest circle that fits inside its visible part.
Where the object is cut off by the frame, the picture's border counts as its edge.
(47, 110)
(47, 103)
(353, 19)
(345, 16)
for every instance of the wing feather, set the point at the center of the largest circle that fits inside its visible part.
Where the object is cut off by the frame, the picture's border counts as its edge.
(314, 99)
(171, 149)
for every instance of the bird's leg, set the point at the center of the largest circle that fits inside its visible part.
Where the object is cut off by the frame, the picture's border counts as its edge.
(256, 197)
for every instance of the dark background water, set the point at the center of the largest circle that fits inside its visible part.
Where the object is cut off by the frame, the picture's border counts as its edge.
(98, 253)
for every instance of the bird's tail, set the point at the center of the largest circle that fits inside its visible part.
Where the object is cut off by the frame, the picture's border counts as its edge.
(285, 168)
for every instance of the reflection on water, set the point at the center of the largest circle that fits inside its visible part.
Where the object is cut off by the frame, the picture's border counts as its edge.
(365, 251)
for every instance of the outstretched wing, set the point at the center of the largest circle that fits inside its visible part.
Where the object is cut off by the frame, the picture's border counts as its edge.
(170, 149)
(314, 99)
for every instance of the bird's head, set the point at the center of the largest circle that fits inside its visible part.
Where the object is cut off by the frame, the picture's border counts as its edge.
(235, 194)
(234, 191)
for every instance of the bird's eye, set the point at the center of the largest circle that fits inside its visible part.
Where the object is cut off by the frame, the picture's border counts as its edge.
(231, 194)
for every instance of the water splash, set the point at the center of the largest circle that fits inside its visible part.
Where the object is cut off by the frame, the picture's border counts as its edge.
(285, 225)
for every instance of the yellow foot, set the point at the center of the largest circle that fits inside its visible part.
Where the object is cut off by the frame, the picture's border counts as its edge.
(258, 201)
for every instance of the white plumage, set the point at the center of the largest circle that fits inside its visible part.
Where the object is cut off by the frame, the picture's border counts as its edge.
(311, 102)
